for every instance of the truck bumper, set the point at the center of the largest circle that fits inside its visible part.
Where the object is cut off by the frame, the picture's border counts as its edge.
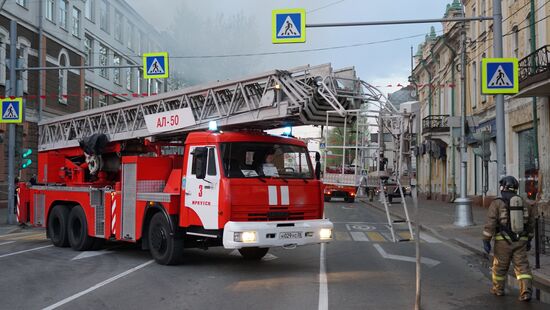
(274, 234)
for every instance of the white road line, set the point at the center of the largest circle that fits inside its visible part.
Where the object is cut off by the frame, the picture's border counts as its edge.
(95, 287)
(323, 287)
(19, 252)
(429, 238)
(358, 236)
(428, 261)
(8, 242)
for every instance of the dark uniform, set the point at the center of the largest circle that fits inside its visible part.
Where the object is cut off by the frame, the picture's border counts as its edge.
(509, 246)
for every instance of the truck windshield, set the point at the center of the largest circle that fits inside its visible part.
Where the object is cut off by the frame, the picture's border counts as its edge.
(259, 160)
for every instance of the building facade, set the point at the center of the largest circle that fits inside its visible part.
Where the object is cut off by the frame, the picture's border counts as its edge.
(438, 64)
(63, 33)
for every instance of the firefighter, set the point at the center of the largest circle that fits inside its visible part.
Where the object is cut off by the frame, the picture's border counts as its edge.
(511, 223)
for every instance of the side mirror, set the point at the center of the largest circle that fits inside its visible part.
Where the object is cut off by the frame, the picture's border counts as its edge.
(200, 155)
(317, 165)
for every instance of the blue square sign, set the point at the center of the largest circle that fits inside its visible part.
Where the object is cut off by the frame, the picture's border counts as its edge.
(499, 76)
(289, 26)
(12, 110)
(155, 65)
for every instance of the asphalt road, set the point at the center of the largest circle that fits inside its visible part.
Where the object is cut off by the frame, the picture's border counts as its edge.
(361, 269)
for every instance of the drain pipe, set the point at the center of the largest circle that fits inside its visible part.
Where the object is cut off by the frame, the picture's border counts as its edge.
(423, 63)
(453, 82)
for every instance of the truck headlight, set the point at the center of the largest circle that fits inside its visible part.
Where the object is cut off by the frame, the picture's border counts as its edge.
(245, 236)
(325, 233)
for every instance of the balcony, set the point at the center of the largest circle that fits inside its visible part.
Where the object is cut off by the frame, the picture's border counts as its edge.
(534, 73)
(435, 124)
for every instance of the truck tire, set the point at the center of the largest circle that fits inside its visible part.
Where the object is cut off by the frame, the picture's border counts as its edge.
(78, 230)
(57, 226)
(350, 199)
(165, 248)
(327, 198)
(390, 199)
(253, 253)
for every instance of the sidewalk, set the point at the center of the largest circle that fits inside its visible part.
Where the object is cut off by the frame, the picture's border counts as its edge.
(437, 217)
(4, 227)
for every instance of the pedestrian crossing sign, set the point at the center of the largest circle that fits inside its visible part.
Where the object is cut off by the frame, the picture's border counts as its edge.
(289, 26)
(155, 65)
(499, 76)
(12, 110)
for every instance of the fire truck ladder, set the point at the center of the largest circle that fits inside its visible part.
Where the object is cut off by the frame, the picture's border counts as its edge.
(299, 96)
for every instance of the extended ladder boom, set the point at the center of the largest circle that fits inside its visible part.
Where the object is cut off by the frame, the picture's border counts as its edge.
(300, 96)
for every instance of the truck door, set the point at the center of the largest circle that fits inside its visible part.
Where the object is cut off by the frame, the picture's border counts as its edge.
(201, 193)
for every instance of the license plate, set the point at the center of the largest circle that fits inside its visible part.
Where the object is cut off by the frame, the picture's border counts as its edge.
(290, 235)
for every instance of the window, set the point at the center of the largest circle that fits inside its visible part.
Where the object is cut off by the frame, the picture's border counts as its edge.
(76, 22)
(245, 160)
(62, 85)
(129, 78)
(63, 14)
(118, 26)
(474, 85)
(103, 60)
(88, 103)
(116, 71)
(102, 100)
(89, 9)
(3, 46)
(138, 42)
(483, 11)
(129, 35)
(104, 15)
(23, 54)
(515, 43)
(22, 3)
(50, 5)
(211, 170)
(474, 26)
(89, 47)
(528, 172)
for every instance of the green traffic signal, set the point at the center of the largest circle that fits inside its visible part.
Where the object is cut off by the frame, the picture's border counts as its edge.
(25, 155)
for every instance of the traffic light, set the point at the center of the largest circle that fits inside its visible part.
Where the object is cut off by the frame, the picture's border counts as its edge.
(483, 149)
(26, 162)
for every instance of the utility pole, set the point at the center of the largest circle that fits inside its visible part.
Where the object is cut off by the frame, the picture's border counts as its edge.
(11, 127)
(501, 133)
(463, 211)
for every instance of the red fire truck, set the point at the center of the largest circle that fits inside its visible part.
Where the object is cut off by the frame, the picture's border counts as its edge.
(148, 171)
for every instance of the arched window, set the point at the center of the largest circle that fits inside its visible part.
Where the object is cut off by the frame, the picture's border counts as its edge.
(63, 76)
(515, 43)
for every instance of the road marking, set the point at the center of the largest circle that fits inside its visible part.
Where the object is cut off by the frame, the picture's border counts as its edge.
(429, 238)
(404, 235)
(424, 260)
(323, 287)
(29, 236)
(95, 287)
(8, 242)
(375, 236)
(24, 251)
(342, 236)
(87, 254)
(358, 236)
(267, 257)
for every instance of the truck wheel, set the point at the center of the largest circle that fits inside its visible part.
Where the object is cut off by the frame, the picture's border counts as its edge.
(165, 248)
(389, 199)
(253, 253)
(350, 199)
(327, 198)
(57, 226)
(78, 230)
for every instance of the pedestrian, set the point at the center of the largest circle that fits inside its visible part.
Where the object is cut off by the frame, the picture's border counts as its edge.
(511, 222)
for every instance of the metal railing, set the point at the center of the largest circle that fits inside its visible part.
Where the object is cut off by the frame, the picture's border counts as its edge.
(435, 123)
(534, 63)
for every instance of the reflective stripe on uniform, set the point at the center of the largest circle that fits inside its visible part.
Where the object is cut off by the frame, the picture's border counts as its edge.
(524, 276)
(498, 278)
(500, 237)
(524, 238)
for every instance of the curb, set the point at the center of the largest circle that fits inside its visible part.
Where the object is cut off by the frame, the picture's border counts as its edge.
(538, 281)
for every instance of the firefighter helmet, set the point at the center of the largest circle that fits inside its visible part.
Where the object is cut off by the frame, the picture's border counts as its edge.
(509, 184)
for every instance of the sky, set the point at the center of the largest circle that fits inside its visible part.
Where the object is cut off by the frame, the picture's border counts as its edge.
(376, 63)
(223, 27)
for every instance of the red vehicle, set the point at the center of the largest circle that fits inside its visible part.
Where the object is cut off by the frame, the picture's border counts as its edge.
(215, 194)
(340, 191)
